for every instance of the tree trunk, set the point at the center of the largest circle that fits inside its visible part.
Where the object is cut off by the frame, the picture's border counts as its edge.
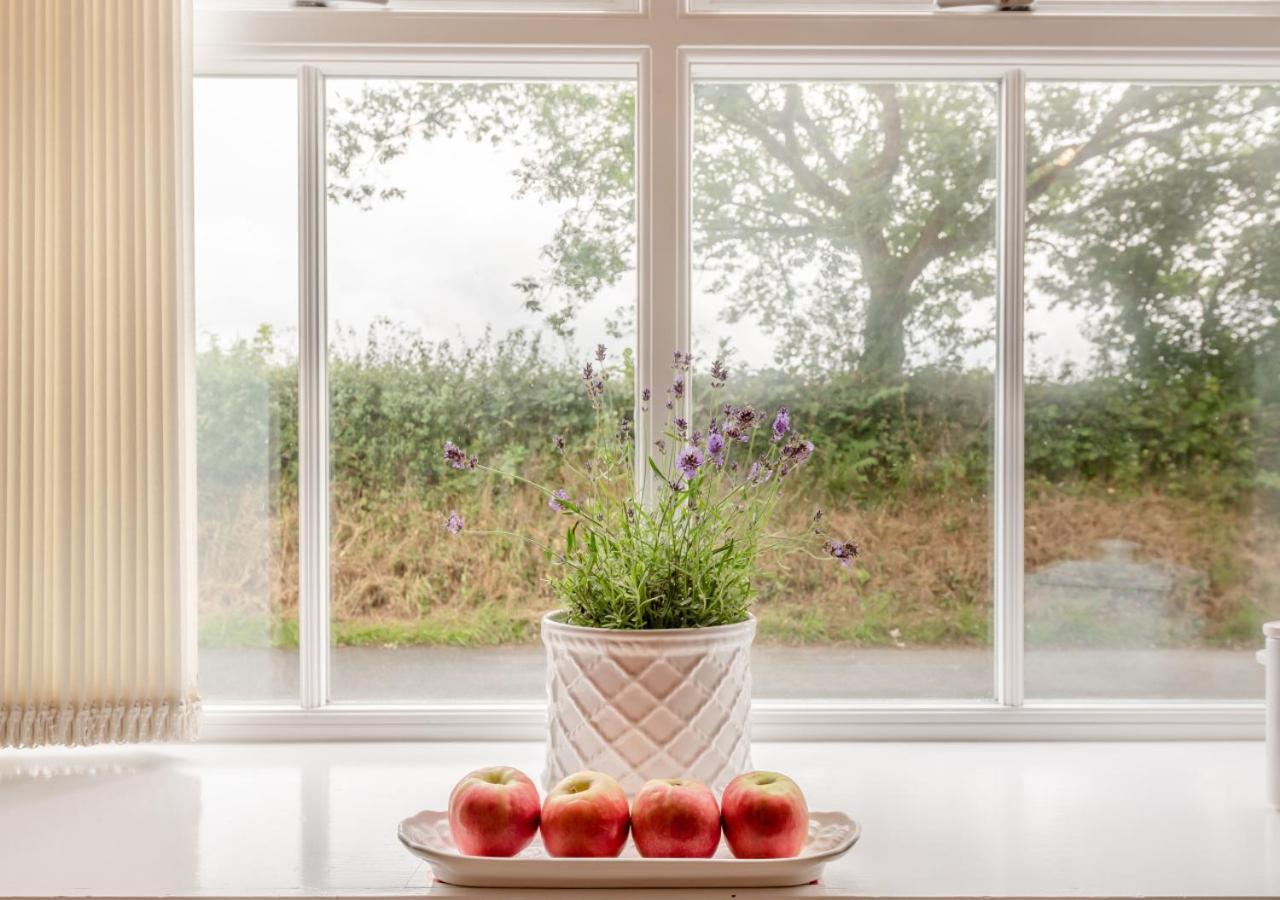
(884, 338)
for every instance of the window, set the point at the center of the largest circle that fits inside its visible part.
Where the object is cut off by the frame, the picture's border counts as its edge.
(1153, 391)
(247, 387)
(1028, 299)
(844, 268)
(473, 265)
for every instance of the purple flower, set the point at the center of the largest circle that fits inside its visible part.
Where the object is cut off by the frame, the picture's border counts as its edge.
(559, 442)
(600, 352)
(759, 474)
(454, 524)
(690, 461)
(739, 421)
(556, 498)
(795, 453)
(677, 387)
(661, 445)
(681, 361)
(457, 457)
(682, 425)
(781, 424)
(845, 551)
(719, 374)
(715, 447)
(595, 385)
(644, 396)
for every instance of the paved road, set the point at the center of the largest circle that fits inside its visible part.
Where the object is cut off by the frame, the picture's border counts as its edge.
(436, 674)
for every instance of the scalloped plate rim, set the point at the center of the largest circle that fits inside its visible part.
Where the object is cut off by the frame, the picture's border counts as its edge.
(630, 871)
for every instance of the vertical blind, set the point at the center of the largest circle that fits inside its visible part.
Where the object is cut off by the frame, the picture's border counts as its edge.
(97, 637)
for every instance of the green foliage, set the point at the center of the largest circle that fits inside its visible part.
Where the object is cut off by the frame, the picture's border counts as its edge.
(246, 415)
(396, 398)
(881, 442)
(224, 629)
(1190, 433)
(486, 626)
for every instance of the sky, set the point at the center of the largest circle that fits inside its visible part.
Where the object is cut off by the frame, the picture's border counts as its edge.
(442, 260)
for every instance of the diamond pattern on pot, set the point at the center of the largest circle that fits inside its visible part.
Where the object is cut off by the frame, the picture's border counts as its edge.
(648, 707)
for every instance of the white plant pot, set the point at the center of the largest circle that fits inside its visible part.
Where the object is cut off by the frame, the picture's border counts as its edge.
(648, 704)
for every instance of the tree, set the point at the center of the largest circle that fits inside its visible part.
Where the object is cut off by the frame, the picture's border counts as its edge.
(855, 221)
(1164, 230)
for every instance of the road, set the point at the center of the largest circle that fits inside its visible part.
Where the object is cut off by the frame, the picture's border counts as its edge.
(447, 674)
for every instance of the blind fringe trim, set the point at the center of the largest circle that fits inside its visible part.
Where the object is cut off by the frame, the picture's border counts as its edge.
(119, 723)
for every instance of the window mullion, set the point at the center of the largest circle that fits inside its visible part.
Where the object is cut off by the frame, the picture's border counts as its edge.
(662, 182)
(313, 397)
(1009, 637)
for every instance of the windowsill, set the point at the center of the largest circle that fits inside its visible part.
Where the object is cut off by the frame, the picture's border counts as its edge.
(954, 819)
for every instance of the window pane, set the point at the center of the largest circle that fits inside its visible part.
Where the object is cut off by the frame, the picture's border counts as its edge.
(844, 267)
(1153, 388)
(246, 240)
(480, 244)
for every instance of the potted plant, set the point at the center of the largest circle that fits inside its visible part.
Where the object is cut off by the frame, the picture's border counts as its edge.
(648, 659)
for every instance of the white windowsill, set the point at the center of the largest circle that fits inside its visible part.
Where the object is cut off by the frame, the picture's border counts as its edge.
(939, 819)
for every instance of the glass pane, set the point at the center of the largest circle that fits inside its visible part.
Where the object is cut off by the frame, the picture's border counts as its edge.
(1153, 388)
(844, 267)
(246, 270)
(480, 244)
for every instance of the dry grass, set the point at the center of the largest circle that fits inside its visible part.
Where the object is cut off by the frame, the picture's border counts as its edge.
(924, 577)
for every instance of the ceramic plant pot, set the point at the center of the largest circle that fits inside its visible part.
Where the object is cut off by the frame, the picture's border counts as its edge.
(648, 704)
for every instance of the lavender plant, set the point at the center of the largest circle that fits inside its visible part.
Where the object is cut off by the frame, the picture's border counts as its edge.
(680, 549)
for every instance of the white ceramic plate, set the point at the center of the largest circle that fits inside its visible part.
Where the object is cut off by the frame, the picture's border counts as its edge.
(831, 835)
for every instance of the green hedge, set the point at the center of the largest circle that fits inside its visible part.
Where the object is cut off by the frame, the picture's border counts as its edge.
(396, 399)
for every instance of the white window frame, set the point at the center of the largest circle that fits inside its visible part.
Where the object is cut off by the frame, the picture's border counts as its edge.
(664, 45)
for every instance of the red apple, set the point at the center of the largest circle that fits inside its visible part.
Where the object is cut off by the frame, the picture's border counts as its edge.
(586, 814)
(493, 812)
(765, 816)
(675, 817)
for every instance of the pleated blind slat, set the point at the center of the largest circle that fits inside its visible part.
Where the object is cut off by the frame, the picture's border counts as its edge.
(97, 611)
